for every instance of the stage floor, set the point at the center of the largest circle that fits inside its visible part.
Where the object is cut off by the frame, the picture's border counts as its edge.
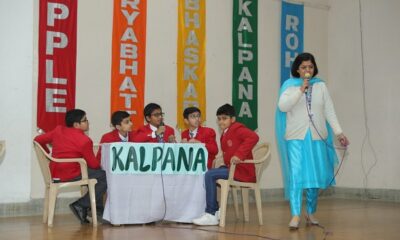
(342, 219)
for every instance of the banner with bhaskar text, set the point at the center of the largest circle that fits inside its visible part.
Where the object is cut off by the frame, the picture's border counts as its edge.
(191, 57)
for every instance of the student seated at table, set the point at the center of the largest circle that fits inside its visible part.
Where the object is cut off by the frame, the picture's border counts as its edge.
(155, 130)
(121, 121)
(237, 142)
(199, 134)
(70, 141)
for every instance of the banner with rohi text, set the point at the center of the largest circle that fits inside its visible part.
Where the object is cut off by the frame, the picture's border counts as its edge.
(57, 62)
(191, 57)
(156, 158)
(129, 58)
(245, 63)
(292, 28)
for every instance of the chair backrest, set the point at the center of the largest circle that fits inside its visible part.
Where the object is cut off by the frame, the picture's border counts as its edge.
(261, 154)
(2, 148)
(44, 161)
(96, 147)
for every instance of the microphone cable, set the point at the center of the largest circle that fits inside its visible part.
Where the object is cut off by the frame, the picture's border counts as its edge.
(333, 147)
(162, 179)
(326, 232)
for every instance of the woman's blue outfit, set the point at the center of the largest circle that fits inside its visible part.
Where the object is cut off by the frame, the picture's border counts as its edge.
(307, 163)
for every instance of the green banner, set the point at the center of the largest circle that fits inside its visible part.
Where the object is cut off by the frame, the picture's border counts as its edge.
(244, 84)
(154, 158)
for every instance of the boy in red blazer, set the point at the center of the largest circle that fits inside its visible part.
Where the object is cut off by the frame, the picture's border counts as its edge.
(70, 141)
(237, 142)
(122, 132)
(155, 130)
(199, 134)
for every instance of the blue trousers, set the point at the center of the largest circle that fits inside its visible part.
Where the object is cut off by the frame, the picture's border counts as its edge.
(210, 180)
(296, 200)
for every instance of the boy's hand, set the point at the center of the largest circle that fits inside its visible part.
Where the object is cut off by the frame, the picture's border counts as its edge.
(160, 129)
(184, 140)
(235, 160)
(194, 141)
(171, 139)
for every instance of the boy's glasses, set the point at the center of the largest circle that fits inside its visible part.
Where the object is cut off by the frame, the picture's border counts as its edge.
(195, 116)
(160, 114)
(84, 120)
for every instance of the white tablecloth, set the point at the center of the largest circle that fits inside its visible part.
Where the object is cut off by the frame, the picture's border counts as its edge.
(139, 198)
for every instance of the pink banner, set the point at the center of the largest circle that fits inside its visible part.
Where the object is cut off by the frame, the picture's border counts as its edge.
(57, 61)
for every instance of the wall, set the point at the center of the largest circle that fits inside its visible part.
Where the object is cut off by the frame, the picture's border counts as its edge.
(93, 72)
(16, 54)
(373, 157)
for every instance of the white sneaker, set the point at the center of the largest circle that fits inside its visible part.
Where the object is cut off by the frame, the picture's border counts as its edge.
(217, 214)
(206, 219)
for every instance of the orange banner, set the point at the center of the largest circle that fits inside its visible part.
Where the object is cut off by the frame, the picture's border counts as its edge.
(129, 58)
(191, 56)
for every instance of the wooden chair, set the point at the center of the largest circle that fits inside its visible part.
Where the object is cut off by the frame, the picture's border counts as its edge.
(52, 188)
(261, 154)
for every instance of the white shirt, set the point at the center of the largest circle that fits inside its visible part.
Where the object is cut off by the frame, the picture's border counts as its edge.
(124, 139)
(293, 102)
(192, 134)
(153, 129)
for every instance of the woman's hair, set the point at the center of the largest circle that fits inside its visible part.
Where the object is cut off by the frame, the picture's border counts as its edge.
(302, 57)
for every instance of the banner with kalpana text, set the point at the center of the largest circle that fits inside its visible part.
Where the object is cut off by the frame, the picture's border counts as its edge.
(191, 57)
(129, 58)
(57, 62)
(154, 158)
(292, 28)
(245, 62)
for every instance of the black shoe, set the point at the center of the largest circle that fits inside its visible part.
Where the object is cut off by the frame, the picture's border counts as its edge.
(99, 213)
(79, 212)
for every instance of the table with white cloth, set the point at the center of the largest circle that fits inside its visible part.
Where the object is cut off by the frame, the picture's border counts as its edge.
(149, 182)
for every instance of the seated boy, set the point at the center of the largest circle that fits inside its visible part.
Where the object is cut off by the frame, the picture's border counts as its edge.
(155, 130)
(199, 134)
(70, 141)
(237, 142)
(122, 132)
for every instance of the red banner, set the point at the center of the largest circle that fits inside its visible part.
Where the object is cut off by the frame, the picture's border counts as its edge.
(57, 61)
(129, 58)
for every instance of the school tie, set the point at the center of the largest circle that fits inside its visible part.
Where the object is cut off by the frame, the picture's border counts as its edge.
(191, 135)
(160, 138)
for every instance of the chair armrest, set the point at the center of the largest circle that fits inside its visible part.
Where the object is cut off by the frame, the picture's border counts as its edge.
(218, 161)
(232, 169)
(251, 161)
(81, 161)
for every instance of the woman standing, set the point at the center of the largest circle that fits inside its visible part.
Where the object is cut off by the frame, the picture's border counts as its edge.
(305, 124)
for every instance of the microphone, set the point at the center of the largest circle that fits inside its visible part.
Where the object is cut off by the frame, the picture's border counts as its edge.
(306, 76)
(161, 136)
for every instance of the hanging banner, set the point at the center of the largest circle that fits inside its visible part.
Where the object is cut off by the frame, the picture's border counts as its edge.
(129, 58)
(191, 90)
(57, 62)
(292, 29)
(153, 158)
(245, 64)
